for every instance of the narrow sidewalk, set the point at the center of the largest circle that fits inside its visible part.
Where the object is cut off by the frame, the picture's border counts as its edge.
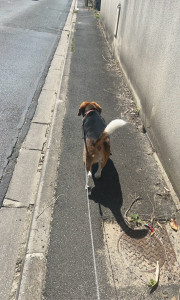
(100, 247)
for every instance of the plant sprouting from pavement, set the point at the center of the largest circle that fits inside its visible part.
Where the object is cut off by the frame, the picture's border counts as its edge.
(135, 219)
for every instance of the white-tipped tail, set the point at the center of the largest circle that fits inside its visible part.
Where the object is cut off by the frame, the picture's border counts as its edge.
(113, 125)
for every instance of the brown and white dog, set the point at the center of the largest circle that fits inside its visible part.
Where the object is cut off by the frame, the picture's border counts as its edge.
(96, 137)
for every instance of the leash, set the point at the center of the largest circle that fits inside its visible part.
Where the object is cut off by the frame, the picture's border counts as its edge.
(92, 240)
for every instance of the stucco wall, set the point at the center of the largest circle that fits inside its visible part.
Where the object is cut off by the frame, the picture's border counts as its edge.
(148, 48)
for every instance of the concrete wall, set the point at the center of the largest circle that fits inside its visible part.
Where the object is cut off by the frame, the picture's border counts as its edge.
(148, 48)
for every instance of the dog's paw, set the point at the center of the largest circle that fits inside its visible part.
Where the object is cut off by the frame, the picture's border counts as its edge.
(88, 188)
(89, 174)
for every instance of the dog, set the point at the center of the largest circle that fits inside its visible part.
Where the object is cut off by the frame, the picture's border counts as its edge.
(96, 137)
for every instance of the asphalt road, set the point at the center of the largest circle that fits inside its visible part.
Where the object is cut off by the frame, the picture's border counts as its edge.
(29, 33)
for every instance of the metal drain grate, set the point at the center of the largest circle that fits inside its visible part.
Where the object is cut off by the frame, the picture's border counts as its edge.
(142, 254)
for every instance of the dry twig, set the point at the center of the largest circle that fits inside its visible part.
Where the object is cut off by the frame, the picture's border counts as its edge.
(48, 206)
(126, 212)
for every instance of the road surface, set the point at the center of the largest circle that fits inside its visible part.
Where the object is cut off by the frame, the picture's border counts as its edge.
(29, 33)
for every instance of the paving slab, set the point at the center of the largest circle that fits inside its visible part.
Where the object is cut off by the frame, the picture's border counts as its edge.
(36, 137)
(52, 80)
(41, 224)
(58, 62)
(45, 107)
(63, 44)
(35, 267)
(12, 228)
(24, 183)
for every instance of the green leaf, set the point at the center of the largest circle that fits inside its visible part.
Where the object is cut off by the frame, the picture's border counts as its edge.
(152, 283)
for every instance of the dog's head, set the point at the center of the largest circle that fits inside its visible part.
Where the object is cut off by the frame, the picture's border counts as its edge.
(86, 106)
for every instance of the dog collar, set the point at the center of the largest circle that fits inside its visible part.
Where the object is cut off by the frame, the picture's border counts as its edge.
(88, 113)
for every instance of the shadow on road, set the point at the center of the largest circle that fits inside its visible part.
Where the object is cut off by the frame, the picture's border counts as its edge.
(107, 192)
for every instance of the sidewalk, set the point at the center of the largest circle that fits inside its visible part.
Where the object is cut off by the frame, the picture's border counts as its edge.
(94, 252)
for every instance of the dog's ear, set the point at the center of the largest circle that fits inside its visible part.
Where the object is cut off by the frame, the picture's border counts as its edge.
(97, 106)
(82, 108)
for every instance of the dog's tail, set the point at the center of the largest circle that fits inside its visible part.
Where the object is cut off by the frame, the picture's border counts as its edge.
(113, 125)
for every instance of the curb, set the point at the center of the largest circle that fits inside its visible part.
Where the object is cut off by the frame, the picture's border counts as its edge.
(34, 269)
(30, 197)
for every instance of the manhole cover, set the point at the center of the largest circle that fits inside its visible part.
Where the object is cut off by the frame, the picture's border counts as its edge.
(142, 254)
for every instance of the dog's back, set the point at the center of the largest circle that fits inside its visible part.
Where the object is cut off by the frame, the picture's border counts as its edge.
(93, 126)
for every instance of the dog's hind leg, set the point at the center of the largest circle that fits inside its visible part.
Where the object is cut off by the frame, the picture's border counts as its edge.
(88, 175)
(103, 158)
(88, 172)
(98, 173)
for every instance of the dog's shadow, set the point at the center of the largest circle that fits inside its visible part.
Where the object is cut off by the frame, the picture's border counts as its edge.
(107, 192)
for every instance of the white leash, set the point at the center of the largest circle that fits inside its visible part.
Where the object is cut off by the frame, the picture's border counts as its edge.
(92, 240)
